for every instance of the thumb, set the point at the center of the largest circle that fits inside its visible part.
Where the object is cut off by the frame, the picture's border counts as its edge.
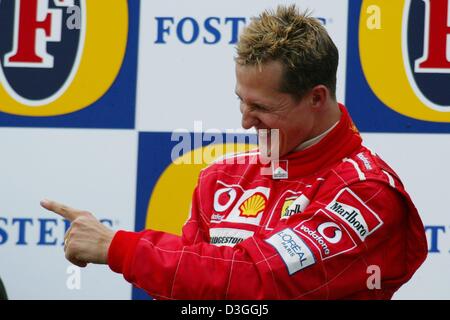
(61, 209)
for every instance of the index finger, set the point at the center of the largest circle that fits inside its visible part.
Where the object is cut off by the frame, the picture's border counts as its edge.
(61, 209)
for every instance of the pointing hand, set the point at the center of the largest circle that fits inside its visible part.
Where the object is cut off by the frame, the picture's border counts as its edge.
(87, 240)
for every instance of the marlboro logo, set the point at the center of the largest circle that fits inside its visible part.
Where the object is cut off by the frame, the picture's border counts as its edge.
(350, 208)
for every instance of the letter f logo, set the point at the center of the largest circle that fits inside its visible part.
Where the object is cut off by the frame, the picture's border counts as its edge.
(436, 40)
(35, 25)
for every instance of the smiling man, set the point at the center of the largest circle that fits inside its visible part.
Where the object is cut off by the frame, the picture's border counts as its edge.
(337, 223)
(286, 78)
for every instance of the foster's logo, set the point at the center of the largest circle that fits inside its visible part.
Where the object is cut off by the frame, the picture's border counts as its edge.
(405, 58)
(51, 62)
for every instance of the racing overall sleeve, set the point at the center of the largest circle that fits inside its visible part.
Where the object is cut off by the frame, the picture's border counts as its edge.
(351, 241)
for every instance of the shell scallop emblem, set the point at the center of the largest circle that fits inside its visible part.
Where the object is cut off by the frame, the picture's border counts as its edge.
(253, 206)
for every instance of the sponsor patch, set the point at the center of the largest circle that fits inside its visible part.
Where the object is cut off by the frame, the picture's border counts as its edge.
(249, 207)
(228, 236)
(284, 210)
(253, 206)
(357, 215)
(292, 249)
(364, 159)
(215, 218)
(277, 211)
(224, 198)
(296, 205)
(325, 233)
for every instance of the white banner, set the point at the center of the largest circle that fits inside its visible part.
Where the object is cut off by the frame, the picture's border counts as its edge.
(421, 160)
(86, 169)
(186, 58)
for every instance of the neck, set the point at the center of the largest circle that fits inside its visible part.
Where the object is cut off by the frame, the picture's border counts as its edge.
(326, 118)
(340, 142)
(315, 140)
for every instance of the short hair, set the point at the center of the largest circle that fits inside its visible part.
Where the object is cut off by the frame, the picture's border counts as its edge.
(299, 42)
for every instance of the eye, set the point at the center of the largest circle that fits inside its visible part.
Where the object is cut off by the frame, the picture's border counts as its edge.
(259, 107)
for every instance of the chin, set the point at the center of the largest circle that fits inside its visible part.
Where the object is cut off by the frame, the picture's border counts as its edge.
(282, 152)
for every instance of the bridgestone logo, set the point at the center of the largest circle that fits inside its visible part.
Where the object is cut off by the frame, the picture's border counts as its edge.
(352, 216)
(226, 240)
(228, 236)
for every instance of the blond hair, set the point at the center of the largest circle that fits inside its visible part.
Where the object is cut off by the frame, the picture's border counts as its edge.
(298, 41)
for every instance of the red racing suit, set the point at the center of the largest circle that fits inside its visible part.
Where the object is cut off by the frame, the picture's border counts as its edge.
(332, 222)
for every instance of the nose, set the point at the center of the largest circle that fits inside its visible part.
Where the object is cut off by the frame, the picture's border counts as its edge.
(249, 120)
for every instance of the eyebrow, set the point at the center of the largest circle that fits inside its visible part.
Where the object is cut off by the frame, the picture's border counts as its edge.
(257, 104)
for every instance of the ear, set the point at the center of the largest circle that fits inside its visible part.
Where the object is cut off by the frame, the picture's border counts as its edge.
(319, 96)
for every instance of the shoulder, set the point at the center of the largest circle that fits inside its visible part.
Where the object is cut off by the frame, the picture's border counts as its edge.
(364, 180)
(232, 164)
(365, 184)
(365, 166)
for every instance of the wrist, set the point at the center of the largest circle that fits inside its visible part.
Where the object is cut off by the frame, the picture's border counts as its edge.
(106, 243)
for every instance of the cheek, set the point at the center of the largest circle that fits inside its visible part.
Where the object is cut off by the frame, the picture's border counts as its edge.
(270, 121)
(241, 107)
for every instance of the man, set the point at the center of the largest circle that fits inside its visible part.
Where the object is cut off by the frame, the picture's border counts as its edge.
(332, 221)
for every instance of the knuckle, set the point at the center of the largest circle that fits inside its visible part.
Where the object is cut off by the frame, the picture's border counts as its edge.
(78, 257)
(79, 221)
(75, 224)
(72, 249)
(64, 209)
(75, 262)
(73, 235)
(86, 214)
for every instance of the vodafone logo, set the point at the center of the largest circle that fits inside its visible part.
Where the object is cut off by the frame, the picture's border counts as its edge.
(326, 235)
(326, 232)
(223, 199)
(332, 227)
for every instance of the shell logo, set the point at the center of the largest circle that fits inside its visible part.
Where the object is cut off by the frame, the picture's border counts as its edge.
(253, 206)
